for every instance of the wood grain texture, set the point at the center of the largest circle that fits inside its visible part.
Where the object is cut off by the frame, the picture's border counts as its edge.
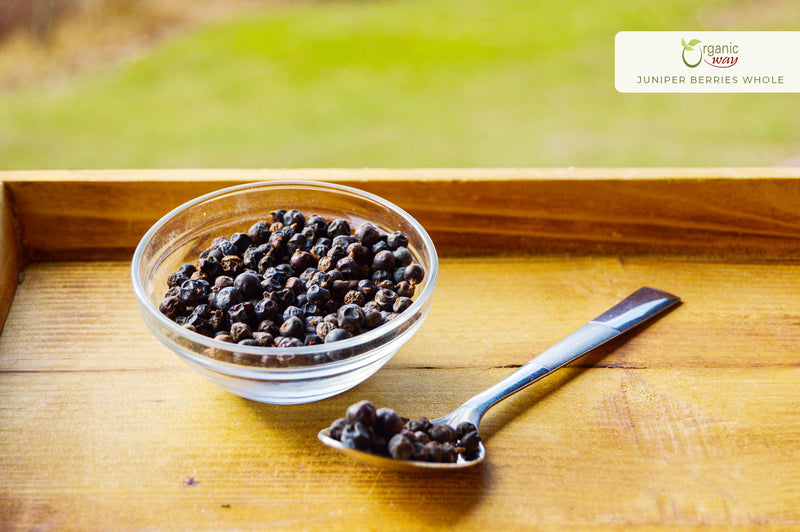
(11, 258)
(711, 212)
(690, 422)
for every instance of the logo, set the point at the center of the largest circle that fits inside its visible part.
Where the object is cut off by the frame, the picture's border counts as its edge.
(715, 55)
(689, 47)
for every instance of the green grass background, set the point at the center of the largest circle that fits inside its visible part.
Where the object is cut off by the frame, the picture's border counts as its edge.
(416, 83)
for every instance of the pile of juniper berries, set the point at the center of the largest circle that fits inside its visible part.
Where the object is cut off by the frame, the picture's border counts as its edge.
(294, 281)
(382, 431)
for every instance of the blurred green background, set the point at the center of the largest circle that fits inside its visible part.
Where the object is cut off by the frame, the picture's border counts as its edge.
(391, 83)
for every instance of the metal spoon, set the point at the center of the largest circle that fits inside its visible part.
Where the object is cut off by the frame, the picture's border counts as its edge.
(640, 306)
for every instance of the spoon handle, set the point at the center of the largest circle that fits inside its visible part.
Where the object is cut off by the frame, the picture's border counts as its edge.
(640, 306)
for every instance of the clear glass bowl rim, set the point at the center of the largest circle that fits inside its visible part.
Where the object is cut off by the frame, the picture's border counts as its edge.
(370, 336)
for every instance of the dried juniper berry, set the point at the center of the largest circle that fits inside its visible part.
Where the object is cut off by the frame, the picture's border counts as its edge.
(368, 288)
(367, 233)
(202, 310)
(414, 274)
(372, 317)
(251, 257)
(317, 294)
(264, 339)
(470, 442)
(442, 433)
(268, 326)
(400, 447)
(387, 422)
(267, 309)
(335, 254)
(172, 307)
(434, 451)
(399, 275)
(402, 256)
(243, 312)
(363, 411)
(209, 268)
(293, 327)
(291, 311)
(404, 289)
(240, 242)
(449, 453)
(227, 297)
(240, 331)
(223, 281)
(277, 215)
(337, 427)
(397, 239)
(176, 279)
(198, 324)
(320, 248)
(259, 232)
(249, 284)
(349, 268)
(385, 298)
(298, 242)
(301, 260)
(294, 217)
(465, 427)
(323, 328)
(421, 437)
(338, 227)
(423, 424)
(355, 297)
(296, 285)
(318, 224)
(187, 269)
(379, 276)
(288, 341)
(311, 339)
(356, 436)
(194, 291)
(232, 265)
(351, 318)
(379, 443)
(271, 283)
(383, 260)
(401, 304)
(337, 334)
(343, 241)
(359, 253)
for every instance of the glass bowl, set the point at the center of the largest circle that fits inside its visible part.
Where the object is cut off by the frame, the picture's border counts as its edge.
(249, 371)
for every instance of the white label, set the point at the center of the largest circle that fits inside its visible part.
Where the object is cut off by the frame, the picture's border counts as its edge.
(707, 61)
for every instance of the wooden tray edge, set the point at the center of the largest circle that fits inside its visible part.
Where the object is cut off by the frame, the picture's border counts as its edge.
(745, 212)
(11, 259)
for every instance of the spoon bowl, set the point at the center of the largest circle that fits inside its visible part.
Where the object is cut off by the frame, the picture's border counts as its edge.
(637, 308)
(386, 462)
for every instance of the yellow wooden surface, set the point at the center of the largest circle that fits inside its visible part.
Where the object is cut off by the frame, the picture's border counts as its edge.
(691, 421)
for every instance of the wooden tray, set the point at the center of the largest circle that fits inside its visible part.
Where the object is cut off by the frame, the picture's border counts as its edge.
(691, 421)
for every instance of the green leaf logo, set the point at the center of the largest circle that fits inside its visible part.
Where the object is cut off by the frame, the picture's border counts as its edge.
(689, 47)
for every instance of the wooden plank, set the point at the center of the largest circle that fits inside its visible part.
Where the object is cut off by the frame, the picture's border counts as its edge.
(594, 448)
(714, 212)
(11, 259)
(486, 312)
